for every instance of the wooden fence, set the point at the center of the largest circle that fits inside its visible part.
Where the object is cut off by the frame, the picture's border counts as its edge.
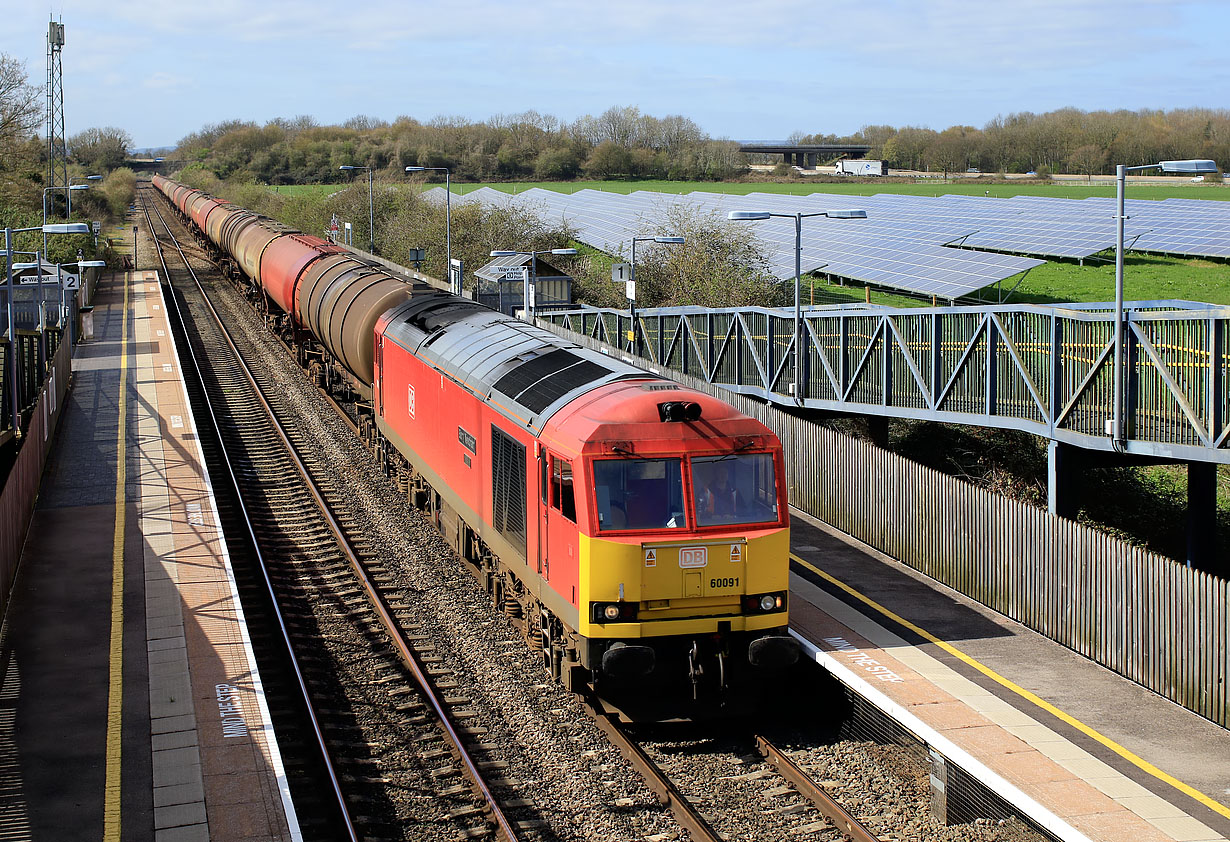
(1147, 617)
(21, 487)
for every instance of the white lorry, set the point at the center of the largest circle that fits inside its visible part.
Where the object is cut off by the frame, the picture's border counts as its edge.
(859, 166)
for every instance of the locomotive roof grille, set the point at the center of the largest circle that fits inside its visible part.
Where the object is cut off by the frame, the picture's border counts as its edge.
(546, 392)
(537, 383)
(530, 372)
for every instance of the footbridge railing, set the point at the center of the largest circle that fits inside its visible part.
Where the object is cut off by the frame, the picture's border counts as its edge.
(1048, 370)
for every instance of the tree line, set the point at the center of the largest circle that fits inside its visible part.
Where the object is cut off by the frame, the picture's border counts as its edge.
(1066, 140)
(620, 142)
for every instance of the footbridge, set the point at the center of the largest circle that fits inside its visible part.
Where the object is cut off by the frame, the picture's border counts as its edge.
(1046, 370)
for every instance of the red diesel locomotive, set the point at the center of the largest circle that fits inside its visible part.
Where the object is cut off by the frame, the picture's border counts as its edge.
(639, 527)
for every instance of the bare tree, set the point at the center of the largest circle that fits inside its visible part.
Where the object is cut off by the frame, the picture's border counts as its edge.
(364, 122)
(720, 264)
(1087, 160)
(618, 124)
(100, 149)
(19, 107)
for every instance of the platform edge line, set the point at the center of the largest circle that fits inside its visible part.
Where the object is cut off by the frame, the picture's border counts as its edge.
(1028, 805)
(1092, 733)
(258, 688)
(115, 694)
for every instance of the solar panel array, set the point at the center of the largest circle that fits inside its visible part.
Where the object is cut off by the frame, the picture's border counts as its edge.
(947, 246)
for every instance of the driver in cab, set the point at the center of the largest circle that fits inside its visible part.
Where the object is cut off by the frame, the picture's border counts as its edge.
(717, 500)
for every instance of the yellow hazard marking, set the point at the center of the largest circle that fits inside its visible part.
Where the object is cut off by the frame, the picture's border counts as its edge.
(1135, 760)
(115, 696)
(651, 558)
(736, 552)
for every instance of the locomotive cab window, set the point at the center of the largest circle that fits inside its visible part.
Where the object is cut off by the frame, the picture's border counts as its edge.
(734, 489)
(563, 496)
(639, 494)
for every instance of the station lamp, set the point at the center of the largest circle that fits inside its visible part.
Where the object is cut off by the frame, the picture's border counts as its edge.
(753, 216)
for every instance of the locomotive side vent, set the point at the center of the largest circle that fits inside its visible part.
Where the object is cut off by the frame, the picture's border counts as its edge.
(508, 487)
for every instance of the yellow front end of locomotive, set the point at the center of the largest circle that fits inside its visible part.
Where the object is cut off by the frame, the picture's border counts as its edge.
(656, 588)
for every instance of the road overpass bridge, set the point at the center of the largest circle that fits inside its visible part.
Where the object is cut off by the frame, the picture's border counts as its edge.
(808, 156)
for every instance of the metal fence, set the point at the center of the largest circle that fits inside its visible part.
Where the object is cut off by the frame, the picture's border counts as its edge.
(1147, 617)
(21, 488)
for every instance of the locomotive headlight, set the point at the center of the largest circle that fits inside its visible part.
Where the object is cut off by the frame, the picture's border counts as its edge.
(764, 603)
(613, 612)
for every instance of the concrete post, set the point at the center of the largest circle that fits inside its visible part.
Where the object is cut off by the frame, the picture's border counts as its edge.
(1202, 519)
(877, 429)
(1062, 468)
(939, 788)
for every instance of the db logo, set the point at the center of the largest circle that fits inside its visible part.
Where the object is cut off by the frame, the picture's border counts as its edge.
(693, 556)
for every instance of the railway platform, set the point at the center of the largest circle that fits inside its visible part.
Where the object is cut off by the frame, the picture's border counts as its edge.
(1087, 754)
(131, 706)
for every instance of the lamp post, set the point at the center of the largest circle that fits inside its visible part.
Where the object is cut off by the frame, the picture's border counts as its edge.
(70, 184)
(1191, 165)
(371, 212)
(68, 191)
(448, 220)
(527, 292)
(11, 356)
(749, 216)
(634, 336)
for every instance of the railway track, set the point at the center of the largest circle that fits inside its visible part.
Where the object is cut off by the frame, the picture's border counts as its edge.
(555, 774)
(563, 780)
(832, 821)
(365, 678)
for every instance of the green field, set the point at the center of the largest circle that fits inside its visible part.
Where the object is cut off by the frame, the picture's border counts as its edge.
(930, 187)
(935, 187)
(308, 189)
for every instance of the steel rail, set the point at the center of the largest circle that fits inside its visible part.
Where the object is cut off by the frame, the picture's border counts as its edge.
(813, 792)
(334, 778)
(668, 794)
(496, 814)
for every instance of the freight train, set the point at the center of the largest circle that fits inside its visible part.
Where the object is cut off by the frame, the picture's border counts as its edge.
(640, 529)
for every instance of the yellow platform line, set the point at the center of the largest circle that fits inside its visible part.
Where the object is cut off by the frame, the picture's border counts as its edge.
(1126, 754)
(115, 696)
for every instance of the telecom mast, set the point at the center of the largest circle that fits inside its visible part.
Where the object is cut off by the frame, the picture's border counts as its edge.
(57, 154)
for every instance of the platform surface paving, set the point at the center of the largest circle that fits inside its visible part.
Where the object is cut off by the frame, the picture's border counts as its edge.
(141, 717)
(1095, 756)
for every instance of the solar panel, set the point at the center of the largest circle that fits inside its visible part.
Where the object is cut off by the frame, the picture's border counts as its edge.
(947, 246)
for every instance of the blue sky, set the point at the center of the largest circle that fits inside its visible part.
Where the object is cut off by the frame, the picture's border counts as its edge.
(758, 69)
